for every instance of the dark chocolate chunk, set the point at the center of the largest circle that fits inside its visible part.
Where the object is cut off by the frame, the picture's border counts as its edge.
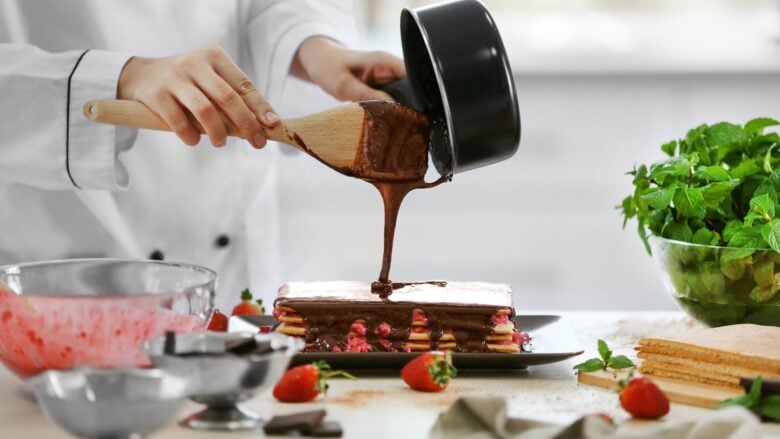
(302, 423)
(170, 343)
(327, 429)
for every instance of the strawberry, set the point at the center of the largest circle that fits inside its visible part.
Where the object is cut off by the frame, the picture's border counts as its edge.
(304, 383)
(430, 372)
(642, 398)
(247, 307)
(218, 322)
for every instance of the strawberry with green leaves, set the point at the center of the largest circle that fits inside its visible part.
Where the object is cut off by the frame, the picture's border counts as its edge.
(247, 307)
(305, 383)
(429, 372)
(642, 398)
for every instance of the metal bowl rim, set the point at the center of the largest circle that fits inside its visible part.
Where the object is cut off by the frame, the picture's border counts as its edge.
(43, 380)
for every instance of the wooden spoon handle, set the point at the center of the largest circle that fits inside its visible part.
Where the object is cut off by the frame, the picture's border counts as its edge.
(135, 114)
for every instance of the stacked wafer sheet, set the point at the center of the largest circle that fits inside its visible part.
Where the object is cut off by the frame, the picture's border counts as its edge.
(347, 317)
(715, 356)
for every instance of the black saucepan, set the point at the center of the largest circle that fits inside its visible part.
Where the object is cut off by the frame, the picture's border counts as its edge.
(459, 76)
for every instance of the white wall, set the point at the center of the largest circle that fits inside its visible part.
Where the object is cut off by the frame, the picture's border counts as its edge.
(544, 220)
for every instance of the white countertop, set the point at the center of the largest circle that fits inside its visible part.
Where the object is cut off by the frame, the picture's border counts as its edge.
(383, 407)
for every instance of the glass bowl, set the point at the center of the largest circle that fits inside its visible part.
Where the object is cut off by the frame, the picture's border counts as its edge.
(96, 312)
(721, 285)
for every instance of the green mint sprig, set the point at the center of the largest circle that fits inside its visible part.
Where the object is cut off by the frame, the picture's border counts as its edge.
(719, 186)
(607, 360)
(768, 407)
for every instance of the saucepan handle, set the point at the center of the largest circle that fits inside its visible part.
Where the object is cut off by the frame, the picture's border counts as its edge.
(402, 92)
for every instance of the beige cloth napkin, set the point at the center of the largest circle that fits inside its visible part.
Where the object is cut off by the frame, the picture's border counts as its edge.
(486, 418)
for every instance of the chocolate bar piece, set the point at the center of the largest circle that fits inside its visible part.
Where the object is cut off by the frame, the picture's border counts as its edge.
(347, 317)
(169, 348)
(302, 423)
(327, 429)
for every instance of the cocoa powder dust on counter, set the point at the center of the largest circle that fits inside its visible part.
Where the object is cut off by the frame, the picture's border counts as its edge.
(357, 398)
(395, 160)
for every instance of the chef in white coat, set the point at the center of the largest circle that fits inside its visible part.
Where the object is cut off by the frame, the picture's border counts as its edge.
(74, 188)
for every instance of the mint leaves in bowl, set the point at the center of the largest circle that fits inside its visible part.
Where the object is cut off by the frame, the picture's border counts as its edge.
(710, 215)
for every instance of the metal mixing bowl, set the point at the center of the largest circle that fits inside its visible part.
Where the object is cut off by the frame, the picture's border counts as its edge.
(221, 380)
(96, 312)
(118, 403)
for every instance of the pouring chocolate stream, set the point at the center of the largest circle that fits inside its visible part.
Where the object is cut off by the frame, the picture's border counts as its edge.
(383, 143)
(397, 150)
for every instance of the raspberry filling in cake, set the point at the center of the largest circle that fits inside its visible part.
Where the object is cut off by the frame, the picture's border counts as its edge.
(347, 317)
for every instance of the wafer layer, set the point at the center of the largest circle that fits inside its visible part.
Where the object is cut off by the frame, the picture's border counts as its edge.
(659, 371)
(717, 356)
(690, 365)
(745, 345)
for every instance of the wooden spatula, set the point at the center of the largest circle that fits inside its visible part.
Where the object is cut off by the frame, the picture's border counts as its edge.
(370, 140)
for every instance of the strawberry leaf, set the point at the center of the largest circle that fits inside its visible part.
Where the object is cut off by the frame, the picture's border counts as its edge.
(624, 382)
(246, 295)
(324, 373)
(442, 370)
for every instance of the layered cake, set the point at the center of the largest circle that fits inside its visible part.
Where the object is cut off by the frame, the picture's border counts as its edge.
(347, 317)
(714, 356)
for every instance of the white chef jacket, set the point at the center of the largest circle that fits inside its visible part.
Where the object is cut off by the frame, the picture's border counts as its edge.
(70, 187)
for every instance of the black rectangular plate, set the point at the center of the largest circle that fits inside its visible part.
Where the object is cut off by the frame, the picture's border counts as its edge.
(552, 338)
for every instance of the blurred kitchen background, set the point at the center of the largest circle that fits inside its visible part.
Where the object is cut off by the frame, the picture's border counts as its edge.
(601, 85)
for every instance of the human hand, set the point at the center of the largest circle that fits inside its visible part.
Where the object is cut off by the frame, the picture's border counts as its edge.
(198, 86)
(346, 74)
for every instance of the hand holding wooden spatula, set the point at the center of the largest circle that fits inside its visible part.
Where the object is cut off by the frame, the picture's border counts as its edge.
(371, 140)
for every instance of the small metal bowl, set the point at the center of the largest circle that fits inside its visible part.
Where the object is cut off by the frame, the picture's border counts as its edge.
(117, 403)
(220, 379)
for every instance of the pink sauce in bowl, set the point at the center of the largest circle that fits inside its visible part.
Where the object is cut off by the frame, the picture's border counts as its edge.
(63, 331)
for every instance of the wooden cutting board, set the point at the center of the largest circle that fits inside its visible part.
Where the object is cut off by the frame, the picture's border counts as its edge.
(683, 392)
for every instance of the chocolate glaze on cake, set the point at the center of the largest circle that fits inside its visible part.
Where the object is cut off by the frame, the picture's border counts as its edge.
(331, 322)
(329, 309)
